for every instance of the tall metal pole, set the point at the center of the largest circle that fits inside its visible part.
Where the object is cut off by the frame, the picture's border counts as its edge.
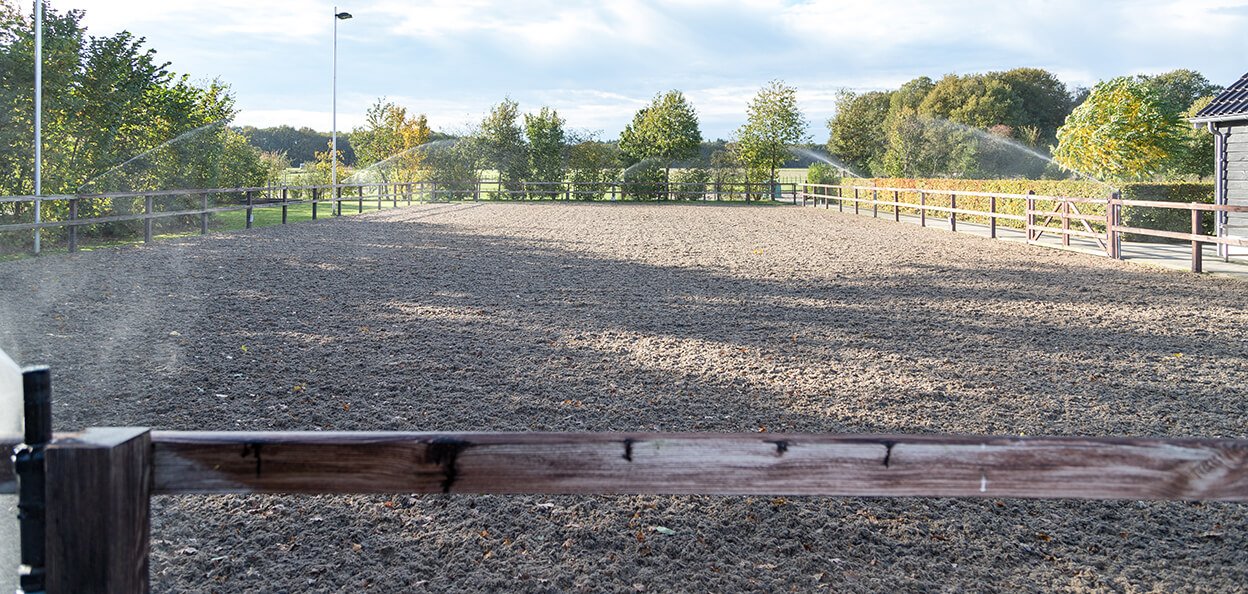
(334, 134)
(38, 117)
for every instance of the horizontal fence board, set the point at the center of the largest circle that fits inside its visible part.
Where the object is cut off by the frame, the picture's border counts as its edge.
(701, 463)
(1234, 241)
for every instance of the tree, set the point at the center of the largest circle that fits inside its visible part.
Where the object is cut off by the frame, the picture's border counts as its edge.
(1121, 132)
(389, 142)
(1042, 100)
(857, 134)
(1193, 156)
(1178, 89)
(114, 117)
(773, 123)
(500, 142)
(666, 131)
(546, 146)
(591, 165)
(299, 144)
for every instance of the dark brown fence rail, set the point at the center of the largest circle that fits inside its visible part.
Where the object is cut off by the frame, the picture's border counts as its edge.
(1063, 216)
(163, 205)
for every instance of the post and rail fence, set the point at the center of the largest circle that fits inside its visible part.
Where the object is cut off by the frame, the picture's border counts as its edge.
(85, 498)
(1040, 214)
(1095, 219)
(150, 206)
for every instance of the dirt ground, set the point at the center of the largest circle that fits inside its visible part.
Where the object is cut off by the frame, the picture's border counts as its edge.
(642, 317)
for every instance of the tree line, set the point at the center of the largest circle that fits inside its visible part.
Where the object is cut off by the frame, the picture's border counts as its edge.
(1008, 124)
(110, 109)
(524, 152)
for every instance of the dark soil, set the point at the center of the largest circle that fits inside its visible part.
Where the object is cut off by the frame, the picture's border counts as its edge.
(643, 317)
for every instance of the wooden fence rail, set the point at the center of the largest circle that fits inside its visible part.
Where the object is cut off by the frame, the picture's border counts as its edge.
(1038, 218)
(284, 197)
(99, 482)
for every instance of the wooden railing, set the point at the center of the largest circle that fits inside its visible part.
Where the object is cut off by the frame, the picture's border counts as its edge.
(155, 204)
(1040, 212)
(85, 497)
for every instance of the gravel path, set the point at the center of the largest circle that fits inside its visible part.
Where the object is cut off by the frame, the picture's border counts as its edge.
(640, 317)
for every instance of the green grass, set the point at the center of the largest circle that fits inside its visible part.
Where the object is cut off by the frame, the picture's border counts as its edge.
(297, 213)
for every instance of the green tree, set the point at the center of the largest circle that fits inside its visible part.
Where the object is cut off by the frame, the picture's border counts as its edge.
(388, 142)
(1193, 156)
(857, 134)
(547, 142)
(298, 144)
(1178, 89)
(773, 123)
(1043, 102)
(666, 131)
(592, 164)
(500, 145)
(1122, 132)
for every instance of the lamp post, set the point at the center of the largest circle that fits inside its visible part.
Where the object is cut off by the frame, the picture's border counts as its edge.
(38, 117)
(338, 16)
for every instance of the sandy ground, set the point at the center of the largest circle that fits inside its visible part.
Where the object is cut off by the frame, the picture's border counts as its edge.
(642, 317)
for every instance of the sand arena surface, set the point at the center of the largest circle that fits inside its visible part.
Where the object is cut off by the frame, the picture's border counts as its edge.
(639, 317)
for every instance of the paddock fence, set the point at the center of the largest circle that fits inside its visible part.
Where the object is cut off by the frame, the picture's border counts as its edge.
(130, 215)
(1096, 219)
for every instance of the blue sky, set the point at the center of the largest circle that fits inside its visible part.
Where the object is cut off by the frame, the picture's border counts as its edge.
(597, 62)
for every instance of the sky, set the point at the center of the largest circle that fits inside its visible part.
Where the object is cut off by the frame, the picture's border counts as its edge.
(598, 62)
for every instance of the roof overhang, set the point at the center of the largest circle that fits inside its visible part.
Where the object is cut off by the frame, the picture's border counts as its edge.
(1198, 122)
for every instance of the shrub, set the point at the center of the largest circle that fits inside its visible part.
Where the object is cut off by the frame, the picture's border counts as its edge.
(644, 181)
(690, 183)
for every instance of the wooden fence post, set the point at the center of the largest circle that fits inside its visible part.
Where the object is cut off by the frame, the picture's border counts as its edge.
(922, 209)
(875, 204)
(855, 200)
(1031, 215)
(250, 212)
(1066, 223)
(1198, 255)
(992, 217)
(360, 208)
(73, 229)
(953, 216)
(896, 206)
(381, 190)
(285, 197)
(315, 194)
(203, 214)
(147, 219)
(98, 510)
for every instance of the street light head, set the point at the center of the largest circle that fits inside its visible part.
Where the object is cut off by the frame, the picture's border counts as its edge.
(343, 16)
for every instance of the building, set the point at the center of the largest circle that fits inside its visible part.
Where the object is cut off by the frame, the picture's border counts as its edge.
(1227, 118)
